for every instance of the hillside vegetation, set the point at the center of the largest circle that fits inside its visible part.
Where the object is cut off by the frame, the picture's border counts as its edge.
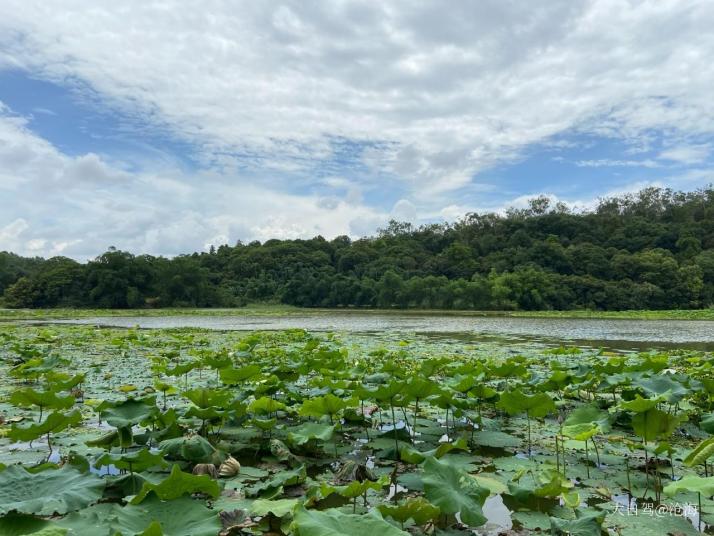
(652, 250)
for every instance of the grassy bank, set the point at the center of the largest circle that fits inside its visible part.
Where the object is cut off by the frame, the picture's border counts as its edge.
(287, 310)
(672, 314)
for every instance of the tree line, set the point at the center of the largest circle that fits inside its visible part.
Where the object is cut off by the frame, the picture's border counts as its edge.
(650, 250)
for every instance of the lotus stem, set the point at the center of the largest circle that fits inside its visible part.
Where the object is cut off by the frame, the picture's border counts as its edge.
(597, 451)
(416, 410)
(658, 478)
(396, 440)
(406, 422)
(557, 453)
(587, 459)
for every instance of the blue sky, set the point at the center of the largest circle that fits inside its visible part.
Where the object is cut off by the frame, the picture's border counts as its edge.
(165, 128)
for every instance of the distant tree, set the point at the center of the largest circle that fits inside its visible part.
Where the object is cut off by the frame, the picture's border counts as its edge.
(653, 249)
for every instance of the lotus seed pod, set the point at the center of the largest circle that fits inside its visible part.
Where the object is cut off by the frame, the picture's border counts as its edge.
(230, 467)
(205, 469)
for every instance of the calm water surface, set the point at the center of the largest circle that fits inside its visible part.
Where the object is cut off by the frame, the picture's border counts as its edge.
(664, 333)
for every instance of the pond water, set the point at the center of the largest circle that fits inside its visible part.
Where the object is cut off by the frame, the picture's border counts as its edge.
(635, 334)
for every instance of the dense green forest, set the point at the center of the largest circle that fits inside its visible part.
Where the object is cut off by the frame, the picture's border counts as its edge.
(652, 250)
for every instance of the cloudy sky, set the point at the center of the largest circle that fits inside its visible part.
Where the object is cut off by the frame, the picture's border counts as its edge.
(166, 126)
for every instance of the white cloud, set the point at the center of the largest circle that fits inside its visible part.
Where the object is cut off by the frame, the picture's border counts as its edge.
(606, 162)
(450, 90)
(427, 95)
(12, 231)
(404, 210)
(79, 206)
(687, 154)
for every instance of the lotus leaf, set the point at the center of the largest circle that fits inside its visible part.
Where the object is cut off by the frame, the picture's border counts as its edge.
(47, 492)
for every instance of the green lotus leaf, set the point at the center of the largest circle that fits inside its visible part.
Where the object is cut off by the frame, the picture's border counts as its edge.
(482, 391)
(697, 484)
(589, 524)
(445, 448)
(639, 404)
(55, 422)
(182, 368)
(154, 529)
(139, 460)
(235, 376)
(654, 424)
(322, 405)
(589, 415)
(454, 491)
(418, 509)
(515, 402)
(192, 449)
(408, 454)
(309, 431)
(393, 391)
(496, 487)
(265, 406)
(264, 424)
(206, 398)
(551, 483)
(105, 440)
(47, 492)
(179, 517)
(130, 412)
(462, 383)
(218, 361)
(355, 488)
(707, 423)
(614, 380)
(59, 381)
(509, 369)
(283, 478)
(494, 438)
(279, 508)
(125, 485)
(206, 414)
(29, 397)
(421, 388)
(15, 524)
(37, 366)
(701, 453)
(650, 363)
(580, 432)
(335, 523)
(177, 484)
(663, 386)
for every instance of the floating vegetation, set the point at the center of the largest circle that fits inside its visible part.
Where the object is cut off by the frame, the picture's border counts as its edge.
(191, 432)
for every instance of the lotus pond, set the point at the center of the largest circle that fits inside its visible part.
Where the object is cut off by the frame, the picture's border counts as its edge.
(107, 431)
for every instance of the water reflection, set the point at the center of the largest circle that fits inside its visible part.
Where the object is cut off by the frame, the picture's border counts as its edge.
(497, 514)
(630, 334)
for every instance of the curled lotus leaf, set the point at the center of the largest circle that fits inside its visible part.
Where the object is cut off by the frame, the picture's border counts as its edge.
(177, 484)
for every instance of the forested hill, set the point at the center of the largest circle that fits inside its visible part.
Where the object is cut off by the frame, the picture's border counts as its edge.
(653, 250)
